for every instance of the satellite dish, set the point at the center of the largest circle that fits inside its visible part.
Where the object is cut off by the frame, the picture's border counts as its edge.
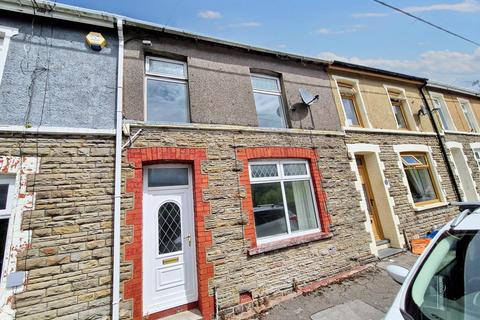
(307, 97)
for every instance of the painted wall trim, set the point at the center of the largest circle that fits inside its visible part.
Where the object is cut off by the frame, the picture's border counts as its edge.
(57, 130)
(409, 115)
(457, 145)
(361, 103)
(8, 34)
(433, 166)
(401, 132)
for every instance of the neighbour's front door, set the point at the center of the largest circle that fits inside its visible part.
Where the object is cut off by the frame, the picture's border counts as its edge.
(368, 195)
(169, 269)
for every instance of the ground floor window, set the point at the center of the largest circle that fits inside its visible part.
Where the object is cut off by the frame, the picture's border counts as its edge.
(283, 201)
(476, 152)
(420, 178)
(6, 195)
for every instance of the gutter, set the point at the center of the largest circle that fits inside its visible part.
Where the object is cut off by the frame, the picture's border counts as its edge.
(118, 177)
(447, 87)
(443, 149)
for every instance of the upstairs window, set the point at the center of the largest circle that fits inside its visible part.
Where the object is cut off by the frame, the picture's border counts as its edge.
(469, 115)
(268, 101)
(349, 103)
(5, 34)
(166, 91)
(440, 106)
(400, 108)
(420, 178)
(399, 115)
(283, 201)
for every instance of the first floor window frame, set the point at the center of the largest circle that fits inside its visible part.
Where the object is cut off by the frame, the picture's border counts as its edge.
(427, 166)
(445, 115)
(469, 115)
(166, 78)
(282, 178)
(356, 95)
(278, 93)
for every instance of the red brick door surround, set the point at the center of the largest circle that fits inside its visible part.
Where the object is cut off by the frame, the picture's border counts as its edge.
(133, 287)
(246, 154)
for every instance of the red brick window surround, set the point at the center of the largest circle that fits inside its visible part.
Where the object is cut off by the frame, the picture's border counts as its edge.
(265, 153)
(133, 287)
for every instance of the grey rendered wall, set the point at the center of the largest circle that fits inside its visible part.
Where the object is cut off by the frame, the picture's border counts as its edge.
(219, 81)
(50, 67)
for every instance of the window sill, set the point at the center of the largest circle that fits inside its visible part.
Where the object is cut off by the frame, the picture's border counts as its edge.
(388, 131)
(461, 132)
(430, 206)
(290, 242)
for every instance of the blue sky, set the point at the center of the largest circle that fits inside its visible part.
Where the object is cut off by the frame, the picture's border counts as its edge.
(351, 30)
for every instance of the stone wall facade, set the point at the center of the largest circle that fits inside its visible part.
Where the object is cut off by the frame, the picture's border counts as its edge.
(235, 272)
(68, 258)
(413, 222)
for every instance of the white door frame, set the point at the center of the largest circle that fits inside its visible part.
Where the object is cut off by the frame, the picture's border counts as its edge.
(149, 194)
(463, 171)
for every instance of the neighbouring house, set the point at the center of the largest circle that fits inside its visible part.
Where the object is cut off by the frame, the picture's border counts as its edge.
(457, 114)
(401, 171)
(57, 103)
(235, 191)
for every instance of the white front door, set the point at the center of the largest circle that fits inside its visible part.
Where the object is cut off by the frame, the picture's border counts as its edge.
(169, 268)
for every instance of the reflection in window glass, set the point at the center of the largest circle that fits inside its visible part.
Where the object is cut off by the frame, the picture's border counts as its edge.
(266, 84)
(268, 102)
(399, 116)
(268, 209)
(163, 177)
(166, 101)
(440, 107)
(447, 286)
(295, 169)
(469, 116)
(350, 111)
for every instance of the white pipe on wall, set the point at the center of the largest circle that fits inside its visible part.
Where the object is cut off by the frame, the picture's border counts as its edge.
(118, 177)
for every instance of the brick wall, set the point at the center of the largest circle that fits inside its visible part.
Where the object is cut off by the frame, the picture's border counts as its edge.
(273, 273)
(69, 257)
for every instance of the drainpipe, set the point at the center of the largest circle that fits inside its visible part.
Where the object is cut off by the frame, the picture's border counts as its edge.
(118, 177)
(442, 145)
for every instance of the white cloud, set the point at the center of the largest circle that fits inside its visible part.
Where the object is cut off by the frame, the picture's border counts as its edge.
(248, 24)
(369, 15)
(208, 14)
(465, 6)
(345, 29)
(453, 67)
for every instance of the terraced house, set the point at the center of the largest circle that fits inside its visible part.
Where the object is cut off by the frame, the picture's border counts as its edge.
(57, 103)
(236, 192)
(457, 114)
(399, 161)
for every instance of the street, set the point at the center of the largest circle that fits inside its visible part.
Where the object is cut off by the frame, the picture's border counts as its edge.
(367, 296)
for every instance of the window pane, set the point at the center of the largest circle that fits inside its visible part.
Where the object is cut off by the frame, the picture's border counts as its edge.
(420, 184)
(399, 117)
(269, 110)
(300, 205)
(166, 101)
(167, 68)
(441, 113)
(263, 170)
(3, 196)
(162, 177)
(295, 169)
(267, 84)
(268, 209)
(411, 160)
(349, 107)
(468, 116)
(169, 228)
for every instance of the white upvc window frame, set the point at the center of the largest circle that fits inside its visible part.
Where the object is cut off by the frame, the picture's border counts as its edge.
(468, 113)
(273, 93)
(362, 110)
(404, 104)
(6, 33)
(281, 177)
(6, 214)
(443, 108)
(166, 78)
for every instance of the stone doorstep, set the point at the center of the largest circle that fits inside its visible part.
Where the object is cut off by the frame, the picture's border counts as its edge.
(193, 314)
(305, 289)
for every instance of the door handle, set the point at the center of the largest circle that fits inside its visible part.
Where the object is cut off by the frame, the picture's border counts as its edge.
(189, 238)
